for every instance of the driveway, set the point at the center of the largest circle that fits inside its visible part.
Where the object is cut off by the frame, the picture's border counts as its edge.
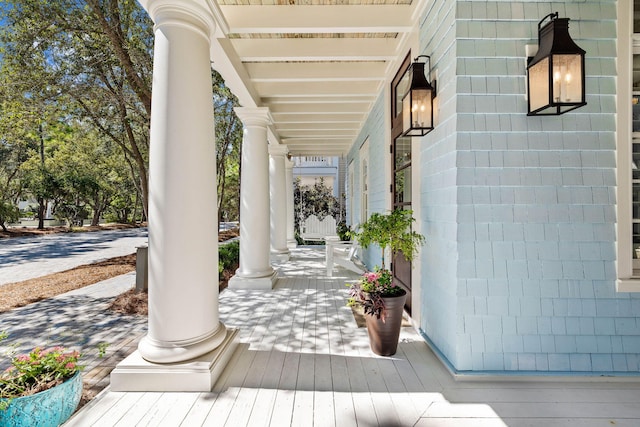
(23, 258)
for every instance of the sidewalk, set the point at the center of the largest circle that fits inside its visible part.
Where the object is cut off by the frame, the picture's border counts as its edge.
(78, 319)
(23, 258)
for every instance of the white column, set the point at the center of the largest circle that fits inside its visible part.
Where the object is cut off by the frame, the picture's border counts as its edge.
(255, 270)
(278, 192)
(185, 341)
(291, 236)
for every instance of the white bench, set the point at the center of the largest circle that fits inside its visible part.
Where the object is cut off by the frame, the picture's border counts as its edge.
(314, 229)
(345, 254)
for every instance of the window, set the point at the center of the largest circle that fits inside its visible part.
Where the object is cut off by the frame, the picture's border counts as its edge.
(364, 181)
(628, 147)
(351, 193)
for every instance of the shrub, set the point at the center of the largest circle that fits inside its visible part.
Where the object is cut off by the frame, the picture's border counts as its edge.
(228, 256)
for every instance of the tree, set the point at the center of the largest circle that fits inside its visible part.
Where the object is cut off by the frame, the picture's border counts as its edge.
(97, 54)
(392, 230)
(228, 150)
(13, 153)
(91, 62)
(88, 172)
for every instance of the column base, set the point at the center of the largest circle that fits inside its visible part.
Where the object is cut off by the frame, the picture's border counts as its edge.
(199, 374)
(280, 256)
(259, 283)
(292, 243)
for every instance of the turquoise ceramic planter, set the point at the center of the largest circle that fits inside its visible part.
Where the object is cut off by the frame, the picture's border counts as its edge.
(49, 408)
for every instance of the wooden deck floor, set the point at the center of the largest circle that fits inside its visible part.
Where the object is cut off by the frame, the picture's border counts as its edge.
(303, 361)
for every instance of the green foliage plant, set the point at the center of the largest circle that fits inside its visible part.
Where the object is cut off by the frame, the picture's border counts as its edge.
(343, 230)
(8, 213)
(38, 370)
(391, 230)
(228, 256)
(316, 199)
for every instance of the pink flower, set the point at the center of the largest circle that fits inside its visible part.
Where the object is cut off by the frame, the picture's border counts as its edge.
(371, 277)
(70, 365)
(22, 358)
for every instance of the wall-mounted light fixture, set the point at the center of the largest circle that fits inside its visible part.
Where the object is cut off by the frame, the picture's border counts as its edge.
(555, 75)
(417, 104)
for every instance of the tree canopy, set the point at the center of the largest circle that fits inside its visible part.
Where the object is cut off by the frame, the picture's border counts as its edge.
(75, 94)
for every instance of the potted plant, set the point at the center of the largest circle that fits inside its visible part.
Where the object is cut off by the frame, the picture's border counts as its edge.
(42, 387)
(382, 300)
(343, 231)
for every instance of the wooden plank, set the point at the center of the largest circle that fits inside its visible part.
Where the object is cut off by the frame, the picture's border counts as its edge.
(323, 409)
(135, 411)
(168, 409)
(179, 408)
(525, 393)
(595, 410)
(362, 400)
(95, 410)
(229, 389)
(157, 411)
(119, 409)
(423, 370)
(474, 422)
(303, 402)
(323, 405)
(199, 410)
(549, 422)
(344, 412)
(285, 395)
(266, 396)
(407, 411)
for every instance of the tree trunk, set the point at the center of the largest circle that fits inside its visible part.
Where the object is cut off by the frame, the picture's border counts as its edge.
(135, 209)
(41, 202)
(42, 207)
(95, 220)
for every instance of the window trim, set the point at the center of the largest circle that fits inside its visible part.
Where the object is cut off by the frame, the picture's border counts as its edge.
(626, 281)
(365, 173)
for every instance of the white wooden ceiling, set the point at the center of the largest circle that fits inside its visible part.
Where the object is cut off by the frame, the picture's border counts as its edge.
(318, 65)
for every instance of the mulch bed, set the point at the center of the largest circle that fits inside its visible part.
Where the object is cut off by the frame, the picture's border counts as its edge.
(32, 231)
(18, 294)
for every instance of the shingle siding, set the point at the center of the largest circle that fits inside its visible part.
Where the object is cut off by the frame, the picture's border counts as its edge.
(518, 273)
(533, 200)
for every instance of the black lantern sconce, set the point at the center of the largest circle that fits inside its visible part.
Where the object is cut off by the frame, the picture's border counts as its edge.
(417, 104)
(555, 75)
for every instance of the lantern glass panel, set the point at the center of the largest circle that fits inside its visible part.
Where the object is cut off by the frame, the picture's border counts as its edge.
(401, 91)
(539, 85)
(406, 112)
(416, 109)
(567, 78)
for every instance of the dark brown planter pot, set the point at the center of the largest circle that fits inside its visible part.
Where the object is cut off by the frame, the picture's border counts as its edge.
(383, 336)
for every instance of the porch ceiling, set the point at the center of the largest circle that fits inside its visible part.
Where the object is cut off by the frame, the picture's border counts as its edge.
(318, 65)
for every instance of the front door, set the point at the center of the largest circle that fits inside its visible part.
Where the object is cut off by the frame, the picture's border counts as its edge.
(401, 171)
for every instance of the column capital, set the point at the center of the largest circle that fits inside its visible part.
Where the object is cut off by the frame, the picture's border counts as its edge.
(278, 150)
(254, 116)
(289, 164)
(185, 14)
